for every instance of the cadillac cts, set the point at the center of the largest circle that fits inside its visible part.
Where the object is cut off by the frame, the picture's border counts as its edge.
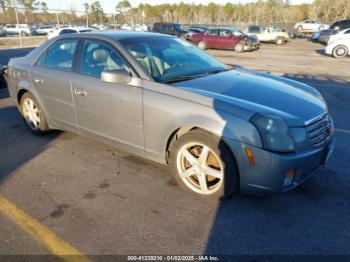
(219, 127)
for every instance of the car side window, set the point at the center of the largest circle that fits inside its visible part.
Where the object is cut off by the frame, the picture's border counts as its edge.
(212, 32)
(224, 32)
(99, 56)
(254, 30)
(59, 56)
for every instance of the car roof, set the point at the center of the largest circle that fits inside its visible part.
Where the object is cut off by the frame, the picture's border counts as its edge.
(119, 35)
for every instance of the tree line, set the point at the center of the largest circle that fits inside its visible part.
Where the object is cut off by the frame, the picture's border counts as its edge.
(261, 11)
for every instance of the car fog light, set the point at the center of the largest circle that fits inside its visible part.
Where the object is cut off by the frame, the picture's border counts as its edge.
(289, 179)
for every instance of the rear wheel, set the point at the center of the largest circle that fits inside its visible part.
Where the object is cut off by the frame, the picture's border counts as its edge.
(340, 51)
(203, 165)
(33, 114)
(202, 45)
(23, 33)
(239, 48)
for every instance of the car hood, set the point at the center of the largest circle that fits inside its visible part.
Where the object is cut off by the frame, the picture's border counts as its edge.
(257, 92)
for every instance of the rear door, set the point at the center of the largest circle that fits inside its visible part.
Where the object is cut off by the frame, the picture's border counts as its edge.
(211, 38)
(51, 76)
(109, 111)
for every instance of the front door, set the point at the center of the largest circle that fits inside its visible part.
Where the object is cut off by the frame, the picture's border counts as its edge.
(106, 110)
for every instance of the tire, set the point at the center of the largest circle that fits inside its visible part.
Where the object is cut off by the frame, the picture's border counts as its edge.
(340, 51)
(239, 48)
(24, 33)
(224, 179)
(280, 41)
(202, 45)
(33, 114)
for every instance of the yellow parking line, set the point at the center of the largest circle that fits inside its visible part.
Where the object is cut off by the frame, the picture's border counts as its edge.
(30, 225)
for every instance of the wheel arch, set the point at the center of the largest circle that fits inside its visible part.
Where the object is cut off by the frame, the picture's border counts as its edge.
(20, 94)
(182, 130)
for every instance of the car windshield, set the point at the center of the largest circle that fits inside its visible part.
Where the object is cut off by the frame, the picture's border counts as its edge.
(169, 59)
(237, 32)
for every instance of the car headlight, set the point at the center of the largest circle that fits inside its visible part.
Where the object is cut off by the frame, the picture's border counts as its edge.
(274, 133)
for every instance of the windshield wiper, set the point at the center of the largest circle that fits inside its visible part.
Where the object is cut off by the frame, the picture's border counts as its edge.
(183, 78)
(190, 77)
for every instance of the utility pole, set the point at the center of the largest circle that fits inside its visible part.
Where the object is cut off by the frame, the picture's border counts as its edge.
(58, 21)
(20, 36)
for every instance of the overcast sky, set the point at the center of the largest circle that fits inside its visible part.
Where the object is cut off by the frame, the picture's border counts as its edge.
(109, 5)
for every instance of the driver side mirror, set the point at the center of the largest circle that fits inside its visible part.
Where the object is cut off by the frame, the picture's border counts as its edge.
(116, 77)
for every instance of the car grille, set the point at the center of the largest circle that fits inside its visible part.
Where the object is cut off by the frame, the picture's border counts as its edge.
(320, 130)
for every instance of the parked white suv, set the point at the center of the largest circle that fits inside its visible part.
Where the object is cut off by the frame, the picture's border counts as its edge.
(22, 29)
(270, 34)
(310, 26)
(69, 30)
(339, 44)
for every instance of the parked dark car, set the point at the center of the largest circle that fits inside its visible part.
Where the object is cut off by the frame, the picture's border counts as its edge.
(340, 25)
(324, 35)
(225, 39)
(3, 83)
(170, 29)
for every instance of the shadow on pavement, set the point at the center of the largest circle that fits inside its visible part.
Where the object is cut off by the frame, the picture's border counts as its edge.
(18, 144)
(321, 52)
(4, 94)
(314, 218)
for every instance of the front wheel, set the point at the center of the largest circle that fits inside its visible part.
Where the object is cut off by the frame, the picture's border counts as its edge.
(203, 165)
(33, 114)
(340, 51)
(239, 48)
(280, 41)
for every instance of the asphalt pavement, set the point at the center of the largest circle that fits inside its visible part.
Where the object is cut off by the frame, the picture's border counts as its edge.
(105, 201)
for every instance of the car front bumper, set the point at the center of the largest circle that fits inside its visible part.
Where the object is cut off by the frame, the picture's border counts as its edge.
(251, 46)
(329, 50)
(271, 171)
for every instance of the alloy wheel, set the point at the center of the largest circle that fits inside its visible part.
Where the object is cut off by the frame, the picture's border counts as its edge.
(200, 168)
(31, 113)
(340, 51)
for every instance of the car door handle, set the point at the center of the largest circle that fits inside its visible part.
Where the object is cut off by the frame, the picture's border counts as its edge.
(38, 81)
(80, 92)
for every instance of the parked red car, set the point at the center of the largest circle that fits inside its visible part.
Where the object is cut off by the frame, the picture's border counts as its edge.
(225, 39)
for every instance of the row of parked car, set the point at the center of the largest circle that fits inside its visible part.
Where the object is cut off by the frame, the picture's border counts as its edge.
(336, 37)
(226, 38)
(50, 30)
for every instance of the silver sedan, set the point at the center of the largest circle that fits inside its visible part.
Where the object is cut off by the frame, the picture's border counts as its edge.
(220, 128)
